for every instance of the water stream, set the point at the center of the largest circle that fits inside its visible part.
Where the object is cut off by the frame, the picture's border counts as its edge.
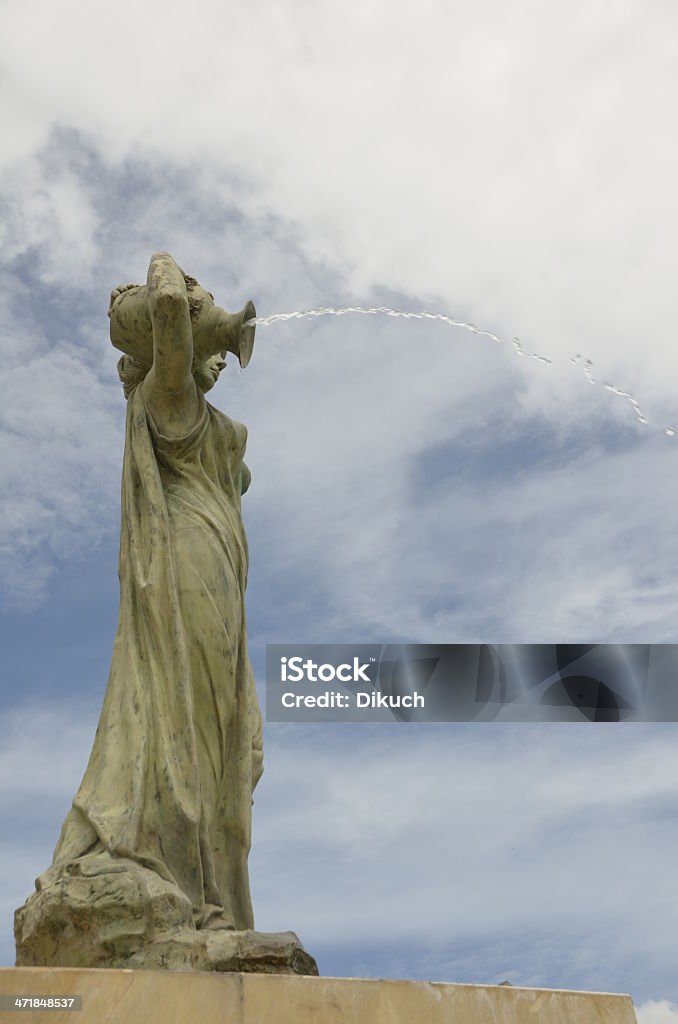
(586, 364)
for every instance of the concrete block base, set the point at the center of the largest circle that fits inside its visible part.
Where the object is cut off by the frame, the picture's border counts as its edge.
(113, 996)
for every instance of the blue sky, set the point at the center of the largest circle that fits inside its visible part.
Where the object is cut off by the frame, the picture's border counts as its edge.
(508, 164)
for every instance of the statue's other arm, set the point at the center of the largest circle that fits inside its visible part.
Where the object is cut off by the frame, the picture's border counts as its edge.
(169, 386)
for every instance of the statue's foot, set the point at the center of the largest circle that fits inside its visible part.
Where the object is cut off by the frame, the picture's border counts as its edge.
(214, 918)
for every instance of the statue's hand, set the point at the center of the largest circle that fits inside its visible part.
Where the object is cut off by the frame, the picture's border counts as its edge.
(118, 291)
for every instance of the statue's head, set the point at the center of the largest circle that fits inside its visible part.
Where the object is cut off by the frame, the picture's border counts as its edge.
(132, 333)
(200, 301)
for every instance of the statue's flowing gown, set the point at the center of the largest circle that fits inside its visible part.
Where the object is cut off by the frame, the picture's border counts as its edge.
(177, 751)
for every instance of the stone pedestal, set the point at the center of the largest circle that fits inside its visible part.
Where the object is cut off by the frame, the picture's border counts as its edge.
(178, 997)
(115, 914)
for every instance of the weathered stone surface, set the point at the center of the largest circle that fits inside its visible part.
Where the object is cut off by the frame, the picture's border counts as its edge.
(151, 997)
(104, 913)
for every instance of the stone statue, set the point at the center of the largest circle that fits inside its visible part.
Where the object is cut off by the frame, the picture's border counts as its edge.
(151, 865)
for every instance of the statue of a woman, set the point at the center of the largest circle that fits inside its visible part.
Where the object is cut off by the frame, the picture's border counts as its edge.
(178, 748)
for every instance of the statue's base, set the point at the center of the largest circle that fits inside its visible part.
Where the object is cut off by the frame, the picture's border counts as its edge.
(100, 912)
(189, 950)
(146, 997)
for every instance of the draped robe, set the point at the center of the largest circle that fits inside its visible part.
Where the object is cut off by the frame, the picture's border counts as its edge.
(177, 751)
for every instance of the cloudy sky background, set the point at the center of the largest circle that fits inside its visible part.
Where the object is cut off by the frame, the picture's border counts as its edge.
(512, 164)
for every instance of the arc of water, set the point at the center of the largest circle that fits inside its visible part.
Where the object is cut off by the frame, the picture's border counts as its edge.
(587, 365)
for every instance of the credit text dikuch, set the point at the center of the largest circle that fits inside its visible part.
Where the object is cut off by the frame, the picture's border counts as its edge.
(337, 699)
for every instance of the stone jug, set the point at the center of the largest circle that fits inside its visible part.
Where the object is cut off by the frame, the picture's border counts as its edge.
(214, 330)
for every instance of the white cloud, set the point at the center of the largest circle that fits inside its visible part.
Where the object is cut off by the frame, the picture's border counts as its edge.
(49, 217)
(657, 1012)
(561, 546)
(540, 829)
(58, 476)
(44, 751)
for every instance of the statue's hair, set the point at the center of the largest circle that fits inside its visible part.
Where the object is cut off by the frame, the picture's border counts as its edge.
(131, 372)
(195, 302)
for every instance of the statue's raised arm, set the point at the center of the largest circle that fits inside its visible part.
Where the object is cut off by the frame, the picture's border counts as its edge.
(171, 321)
(171, 389)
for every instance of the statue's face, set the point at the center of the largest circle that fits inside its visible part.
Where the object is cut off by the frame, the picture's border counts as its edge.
(207, 374)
